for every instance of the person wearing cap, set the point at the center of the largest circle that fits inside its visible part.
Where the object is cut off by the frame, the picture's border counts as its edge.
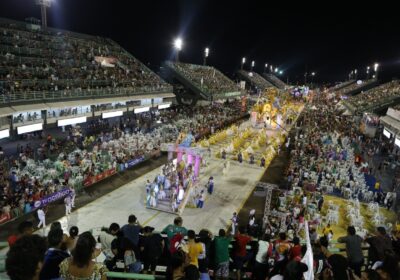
(151, 248)
(378, 244)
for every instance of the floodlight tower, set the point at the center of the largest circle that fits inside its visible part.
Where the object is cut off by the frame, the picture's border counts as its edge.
(44, 4)
(243, 62)
(206, 52)
(178, 47)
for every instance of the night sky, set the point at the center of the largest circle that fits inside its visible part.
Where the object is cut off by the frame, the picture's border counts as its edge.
(328, 38)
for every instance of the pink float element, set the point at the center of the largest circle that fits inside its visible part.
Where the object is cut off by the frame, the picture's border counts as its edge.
(189, 159)
(197, 165)
(179, 157)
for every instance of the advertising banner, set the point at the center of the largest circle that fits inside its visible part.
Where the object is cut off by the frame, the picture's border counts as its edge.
(51, 198)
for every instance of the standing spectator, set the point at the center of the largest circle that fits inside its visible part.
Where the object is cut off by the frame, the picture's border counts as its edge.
(282, 246)
(80, 265)
(180, 268)
(221, 253)
(264, 252)
(378, 245)
(54, 255)
(295, 251)
(240, 253)
(24, 228)
(25, 258)
(353, 248)
(195, 248)
(176, 228)
(204, 238)
(152, 247)
(131, 231)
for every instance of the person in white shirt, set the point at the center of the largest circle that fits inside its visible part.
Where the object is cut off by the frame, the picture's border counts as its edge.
(42, 218)
(263, 254)
(68, 205)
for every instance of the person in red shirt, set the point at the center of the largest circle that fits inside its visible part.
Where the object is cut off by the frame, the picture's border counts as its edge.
(24, 228)
(295, 251)
(241, 256)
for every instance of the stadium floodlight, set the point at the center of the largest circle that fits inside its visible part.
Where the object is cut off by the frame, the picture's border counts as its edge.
(376, 65)
(243, 62)
(178, 47)
(271, 68)
(178, 44)
(280, 72)
(276, 70)
(313, 74)
(252, 65)
(206, 52)
(265, 67)
(44, 4)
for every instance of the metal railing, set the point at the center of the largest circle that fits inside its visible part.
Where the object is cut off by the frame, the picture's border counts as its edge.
(29, 96)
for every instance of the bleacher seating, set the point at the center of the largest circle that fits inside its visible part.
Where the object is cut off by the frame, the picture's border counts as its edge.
(375, 98)
(209, 81)
(53, 63)
(275, 80)
(355, 88)
(255, 79)
(341, 85)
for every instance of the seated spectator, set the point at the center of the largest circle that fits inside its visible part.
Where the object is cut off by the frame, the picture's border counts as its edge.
(106, 236)
(54, 255)
(25, 258)
(80, 265)
(73, 237)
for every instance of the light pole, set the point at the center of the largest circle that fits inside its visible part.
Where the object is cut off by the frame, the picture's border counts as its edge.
(312, 78)
(265, 67)
(271, 68)
(276, 70)
(44, 4)
(206, 52)
(368, 72)
(355, 74)
(243, 62)
(178, 47)
(252, 65)
(376, 65)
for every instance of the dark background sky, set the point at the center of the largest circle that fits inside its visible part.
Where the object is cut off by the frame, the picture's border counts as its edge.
(330, 38)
